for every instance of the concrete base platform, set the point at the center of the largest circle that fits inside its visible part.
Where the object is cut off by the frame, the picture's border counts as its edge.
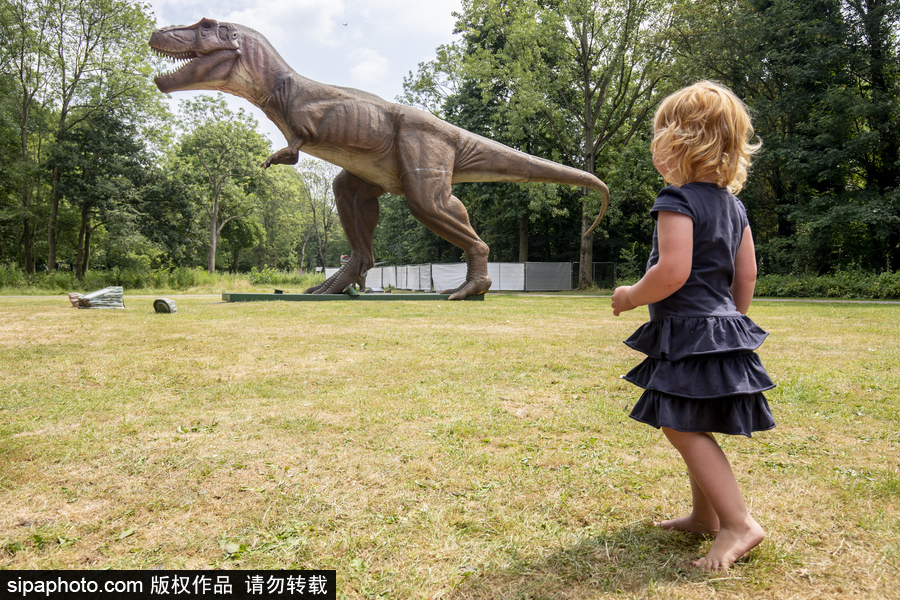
(230, 297)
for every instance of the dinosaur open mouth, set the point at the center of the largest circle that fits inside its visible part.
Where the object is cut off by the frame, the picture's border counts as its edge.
(184, 60)
(177, 57)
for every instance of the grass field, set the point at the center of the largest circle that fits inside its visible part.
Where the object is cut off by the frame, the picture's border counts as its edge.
(433, 449)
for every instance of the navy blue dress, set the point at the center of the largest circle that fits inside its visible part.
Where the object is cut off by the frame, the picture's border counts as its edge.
(702, 373)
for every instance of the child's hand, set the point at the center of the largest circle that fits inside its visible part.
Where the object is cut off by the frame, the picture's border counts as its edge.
(620, 301)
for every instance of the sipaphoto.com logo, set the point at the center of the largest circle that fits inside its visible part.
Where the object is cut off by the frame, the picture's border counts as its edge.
(65, 585)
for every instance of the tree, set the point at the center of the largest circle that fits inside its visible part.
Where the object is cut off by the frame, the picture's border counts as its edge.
(239, 235)
(821, 77)
(317, 178)
(168, 215)
(69, 59)
(224, 149)
(24, 55)
(502, 211)
(286, 217)
(101, 172)
(9, 176)
(101, 62)
(590, 69)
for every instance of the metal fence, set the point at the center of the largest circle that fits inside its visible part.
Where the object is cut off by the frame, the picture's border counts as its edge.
(519, 277)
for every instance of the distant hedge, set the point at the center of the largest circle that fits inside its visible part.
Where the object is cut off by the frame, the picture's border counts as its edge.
(842, 284)
(12, 278)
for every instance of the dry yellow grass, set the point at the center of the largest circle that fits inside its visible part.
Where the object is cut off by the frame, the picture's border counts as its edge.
(432, 449)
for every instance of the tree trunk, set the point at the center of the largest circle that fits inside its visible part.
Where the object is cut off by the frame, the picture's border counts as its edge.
(27, 229)
(523, 238)
(27, 226)
(303, 248)
(213, 235)
(323, 252)
(28, 245)
(79, 252)
(51, 222)
(211, 256)
(83, 252)
(86, 262)
(586, 256)
(54, 195)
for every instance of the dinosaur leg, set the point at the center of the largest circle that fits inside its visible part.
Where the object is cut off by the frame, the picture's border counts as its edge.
(357, 205)
(429, 198)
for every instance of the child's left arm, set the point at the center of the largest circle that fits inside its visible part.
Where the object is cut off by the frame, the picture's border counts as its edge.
(744, 273)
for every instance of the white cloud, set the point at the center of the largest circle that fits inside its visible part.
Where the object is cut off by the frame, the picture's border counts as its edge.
(370, 67)
(286, 23)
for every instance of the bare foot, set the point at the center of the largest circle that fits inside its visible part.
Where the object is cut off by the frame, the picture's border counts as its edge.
(731, 544)
(691, 524)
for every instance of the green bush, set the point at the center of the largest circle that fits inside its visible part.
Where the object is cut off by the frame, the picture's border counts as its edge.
(269, 276)
(11, 276)
(266, 275)
(887, 285)
(841, 284)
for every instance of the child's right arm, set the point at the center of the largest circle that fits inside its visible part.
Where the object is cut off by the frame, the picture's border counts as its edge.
(675, 235)
(744, 273)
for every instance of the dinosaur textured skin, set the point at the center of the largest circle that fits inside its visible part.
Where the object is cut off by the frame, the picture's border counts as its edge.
(381, 146)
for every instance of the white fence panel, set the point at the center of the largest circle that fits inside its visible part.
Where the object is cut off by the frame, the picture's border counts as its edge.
(425, 278)
(448, 277)
(512, 277)
(494, 274)
(532, 276)
(373, 277)
(507, 276)
(388, 276)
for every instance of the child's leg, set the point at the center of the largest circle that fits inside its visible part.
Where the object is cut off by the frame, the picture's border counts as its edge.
(703, 519)
(738, 531)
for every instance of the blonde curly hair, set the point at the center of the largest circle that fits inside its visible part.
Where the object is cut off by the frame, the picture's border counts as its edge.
(706, 129)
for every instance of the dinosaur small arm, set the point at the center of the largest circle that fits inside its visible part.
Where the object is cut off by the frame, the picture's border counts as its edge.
(381, 146)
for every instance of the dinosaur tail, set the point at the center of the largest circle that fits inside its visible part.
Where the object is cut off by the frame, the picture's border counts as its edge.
(547, 171)
(481, 159)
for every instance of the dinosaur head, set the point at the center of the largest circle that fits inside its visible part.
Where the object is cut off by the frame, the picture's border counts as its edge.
(212, 49)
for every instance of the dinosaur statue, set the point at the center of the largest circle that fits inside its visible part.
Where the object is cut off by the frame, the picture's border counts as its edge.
(381, 146)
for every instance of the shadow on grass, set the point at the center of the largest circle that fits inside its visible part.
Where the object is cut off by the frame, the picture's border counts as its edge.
(630, 560)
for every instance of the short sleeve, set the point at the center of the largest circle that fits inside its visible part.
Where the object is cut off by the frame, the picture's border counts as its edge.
(672, 199)
(742, 212)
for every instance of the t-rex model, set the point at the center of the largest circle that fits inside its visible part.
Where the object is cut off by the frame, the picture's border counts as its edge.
(382, 147)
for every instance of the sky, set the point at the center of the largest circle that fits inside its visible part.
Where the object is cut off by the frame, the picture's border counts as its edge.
(366, 44)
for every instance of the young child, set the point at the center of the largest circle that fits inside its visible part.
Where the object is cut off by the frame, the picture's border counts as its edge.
(701, 374)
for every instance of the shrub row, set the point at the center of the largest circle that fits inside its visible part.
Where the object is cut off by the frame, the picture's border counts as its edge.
(842, 284)
(12, 278)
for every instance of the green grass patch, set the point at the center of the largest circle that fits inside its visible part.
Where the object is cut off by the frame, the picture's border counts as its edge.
(434, 449)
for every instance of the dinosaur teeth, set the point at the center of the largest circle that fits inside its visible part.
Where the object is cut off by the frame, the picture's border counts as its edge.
(177, 55)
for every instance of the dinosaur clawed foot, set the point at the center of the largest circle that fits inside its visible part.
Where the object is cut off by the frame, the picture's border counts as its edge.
(336, 284)
(479, 285)
(346, 276)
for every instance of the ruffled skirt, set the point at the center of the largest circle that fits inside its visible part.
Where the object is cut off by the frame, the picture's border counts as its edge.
(701, 374)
